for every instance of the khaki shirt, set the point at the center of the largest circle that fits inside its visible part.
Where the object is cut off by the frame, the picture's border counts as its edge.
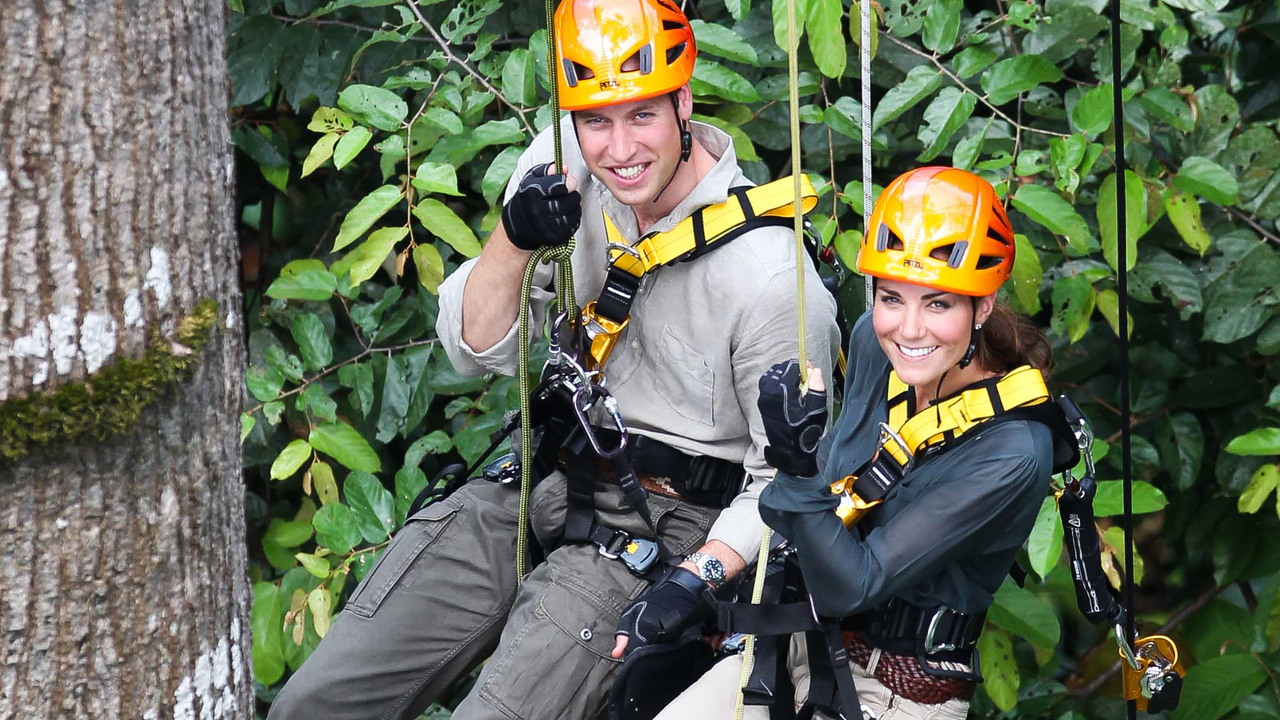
(687, 367)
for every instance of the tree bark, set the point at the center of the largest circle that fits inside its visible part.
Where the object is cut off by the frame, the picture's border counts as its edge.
(123, 586)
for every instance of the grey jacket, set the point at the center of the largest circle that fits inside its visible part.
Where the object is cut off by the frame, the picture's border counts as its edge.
(686, 368)
(946, 535)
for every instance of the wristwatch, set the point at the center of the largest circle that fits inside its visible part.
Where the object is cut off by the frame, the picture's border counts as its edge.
(710, 569)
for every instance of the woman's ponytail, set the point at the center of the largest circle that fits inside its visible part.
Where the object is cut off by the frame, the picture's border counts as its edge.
(1009, 340)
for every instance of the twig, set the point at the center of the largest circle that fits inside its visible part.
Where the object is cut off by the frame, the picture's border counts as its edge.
(1248, 220)
(499, 42)
(1174, 621)
(354, 358)
(955, 79)
(448, 53)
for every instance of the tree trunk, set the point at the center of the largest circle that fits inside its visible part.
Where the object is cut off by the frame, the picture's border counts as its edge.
(122, 562)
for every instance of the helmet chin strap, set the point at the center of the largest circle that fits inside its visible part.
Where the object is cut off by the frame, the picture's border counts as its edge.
(686, 146)
(974, 337)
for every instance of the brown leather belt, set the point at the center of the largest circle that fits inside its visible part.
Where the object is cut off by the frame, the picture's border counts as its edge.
(904, 677)
(652, 483)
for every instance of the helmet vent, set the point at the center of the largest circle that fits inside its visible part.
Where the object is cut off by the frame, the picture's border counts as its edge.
(570, 72)
(886, 239)
(580, 72)
(670, 6)
(672, 25)
(953, 253)
(986, 262)
(642, 60)
(675, 51)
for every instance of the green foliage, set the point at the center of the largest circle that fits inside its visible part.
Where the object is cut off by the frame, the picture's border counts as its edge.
(371, 162)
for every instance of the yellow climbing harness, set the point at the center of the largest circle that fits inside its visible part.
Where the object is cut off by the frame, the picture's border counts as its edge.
(909, 433)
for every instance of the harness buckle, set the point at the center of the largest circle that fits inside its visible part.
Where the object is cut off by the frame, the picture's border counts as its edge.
(612, 549)
(602, 336)
(929, 646)
(503, 470)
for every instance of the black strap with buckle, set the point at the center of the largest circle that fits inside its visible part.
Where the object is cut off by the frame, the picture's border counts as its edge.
(699, 479)
(937, 633)
(640, 555)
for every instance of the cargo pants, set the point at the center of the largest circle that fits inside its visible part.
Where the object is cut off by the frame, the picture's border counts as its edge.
(443, 598)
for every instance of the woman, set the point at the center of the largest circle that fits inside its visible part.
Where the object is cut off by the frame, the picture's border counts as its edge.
(933, 550)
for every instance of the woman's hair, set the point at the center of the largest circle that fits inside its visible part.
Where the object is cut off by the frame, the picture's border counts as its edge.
(1009, 340)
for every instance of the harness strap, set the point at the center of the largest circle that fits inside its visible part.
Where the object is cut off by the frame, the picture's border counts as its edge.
(952, 417)
(831, 688)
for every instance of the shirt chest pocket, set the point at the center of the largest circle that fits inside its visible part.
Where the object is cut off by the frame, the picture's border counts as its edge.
(684, 379)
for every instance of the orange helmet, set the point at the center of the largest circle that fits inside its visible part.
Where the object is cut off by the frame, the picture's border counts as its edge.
(595, 38)
(942, 228)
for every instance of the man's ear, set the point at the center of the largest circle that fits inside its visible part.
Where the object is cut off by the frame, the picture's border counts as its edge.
(684, 103)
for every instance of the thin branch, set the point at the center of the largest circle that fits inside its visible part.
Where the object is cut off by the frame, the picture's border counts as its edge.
(955, 79)
(499, 42)
(1248, 220)
(354, 358)
(448, 53)
(1174, 621)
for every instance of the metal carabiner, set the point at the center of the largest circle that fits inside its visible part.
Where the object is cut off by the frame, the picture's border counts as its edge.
(584, 399)
(625, 250)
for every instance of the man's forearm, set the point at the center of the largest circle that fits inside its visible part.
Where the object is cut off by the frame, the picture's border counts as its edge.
(491, 298)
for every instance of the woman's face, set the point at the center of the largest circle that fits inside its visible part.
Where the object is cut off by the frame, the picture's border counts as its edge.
(924, 331)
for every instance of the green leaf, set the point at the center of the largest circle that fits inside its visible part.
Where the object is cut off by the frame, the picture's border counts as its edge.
(247, 422)
(1242, 298)
(1027, 276)
(409, 482)
(1184, 213)
(435, 442)
(942, 25)
(999, 668)
(445, 224)
(742, 145)
(1044, 545)
(395, 400)
(322, 480)
(367, 257)
(372, 506)
(436, 177)
(366, 212)
(329, 121)
(1259, 489)
(737, 8)
(719, 40)
(499, 172)
(430, 267)
(272, 412)
(375, 106)
(320, 152)
(290, 459)
(1108, 304)
(1025, 615)
(1259, 441)
(313, 342)
(1049, 209)
(1110, 498)
(315, 565)
(253, 57)
(1215, 686)
(943, 117)
(266, 621)
(350, 146)
(1073, 304)
(710, 78)
(286, 533)
(444, 119)
(920, 83)
(1094, 110)
(518, 77)
(320, 603)
(1206, 178)
(343, 443)
(335, 527)
(1168, 106)
(973, 60)
(264, 382)
(967, 150)
(826, 35)
(845, 117)
(1011, 76)
(413, 78)
(358, 377)
(855, 28)
(303, 280)
(1135, 204)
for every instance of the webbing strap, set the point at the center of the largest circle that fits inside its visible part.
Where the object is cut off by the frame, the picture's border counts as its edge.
(950, 418)
(713, 224)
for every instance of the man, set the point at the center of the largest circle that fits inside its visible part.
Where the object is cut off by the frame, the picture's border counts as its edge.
(444, 596)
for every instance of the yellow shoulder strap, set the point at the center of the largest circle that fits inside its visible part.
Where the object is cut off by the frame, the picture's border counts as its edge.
(706, 225)
(1022, 387)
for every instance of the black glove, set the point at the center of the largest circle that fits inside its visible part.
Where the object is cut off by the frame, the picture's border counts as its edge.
(794, 424)
(675, 602)
(543, 211)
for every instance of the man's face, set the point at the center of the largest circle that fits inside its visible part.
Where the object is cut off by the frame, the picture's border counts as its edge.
(633, 147)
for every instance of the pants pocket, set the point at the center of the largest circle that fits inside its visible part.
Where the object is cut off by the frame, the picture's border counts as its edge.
(558, 665)
(399, 564)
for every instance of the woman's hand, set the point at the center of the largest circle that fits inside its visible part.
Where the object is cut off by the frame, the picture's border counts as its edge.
(793, 421)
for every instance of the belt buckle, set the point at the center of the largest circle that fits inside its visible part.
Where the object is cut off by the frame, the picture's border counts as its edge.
(929, 647)
(604, 550)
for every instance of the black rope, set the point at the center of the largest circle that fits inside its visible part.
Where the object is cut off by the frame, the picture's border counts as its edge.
(1122, 282)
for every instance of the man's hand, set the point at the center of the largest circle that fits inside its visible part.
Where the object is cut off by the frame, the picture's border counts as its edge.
(661, 612)
(546, 210)
(793, 422)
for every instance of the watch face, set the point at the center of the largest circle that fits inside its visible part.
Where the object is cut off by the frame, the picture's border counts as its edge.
(709, 568)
